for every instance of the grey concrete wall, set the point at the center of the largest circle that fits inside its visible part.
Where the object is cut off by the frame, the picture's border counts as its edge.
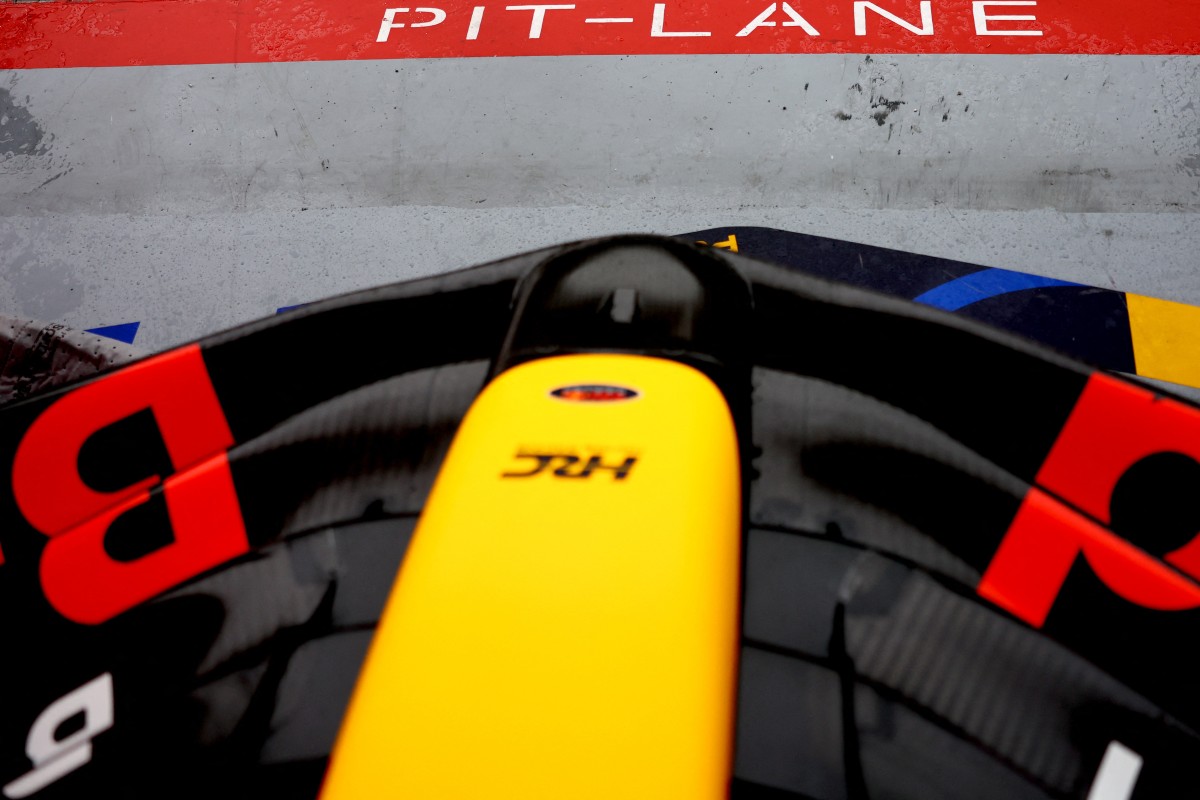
(193, 198)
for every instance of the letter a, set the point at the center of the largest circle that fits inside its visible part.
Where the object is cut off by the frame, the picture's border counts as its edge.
(763, 20)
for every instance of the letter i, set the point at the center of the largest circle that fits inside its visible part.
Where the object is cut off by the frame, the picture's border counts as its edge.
(476, 21)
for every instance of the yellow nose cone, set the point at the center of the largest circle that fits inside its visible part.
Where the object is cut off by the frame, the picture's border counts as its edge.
(565, 622)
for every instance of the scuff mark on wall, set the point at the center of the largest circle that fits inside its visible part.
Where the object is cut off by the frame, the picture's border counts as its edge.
(20, 133)
(45, 286)
(885, 107)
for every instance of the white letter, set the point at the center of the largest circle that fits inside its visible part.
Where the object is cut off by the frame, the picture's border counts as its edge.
(979, 7)
(1118, 771)
(476, 21)
(656, 28)
(796, 21)
(439, 17)
(860, 18)
(760, 21)
(53, 758)
(389, 20)
(539, 14)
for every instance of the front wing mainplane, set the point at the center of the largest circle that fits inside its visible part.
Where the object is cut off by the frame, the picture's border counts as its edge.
(625, 517)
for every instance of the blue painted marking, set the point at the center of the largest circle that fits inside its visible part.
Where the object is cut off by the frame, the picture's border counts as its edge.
(981, 285)
(282, 309)
(124, 332)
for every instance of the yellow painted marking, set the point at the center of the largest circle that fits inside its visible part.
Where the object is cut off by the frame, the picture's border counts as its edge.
(728, 244)
(566, 635)
(1166, 339)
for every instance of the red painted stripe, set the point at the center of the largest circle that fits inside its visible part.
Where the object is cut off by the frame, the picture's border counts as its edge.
(142, 32)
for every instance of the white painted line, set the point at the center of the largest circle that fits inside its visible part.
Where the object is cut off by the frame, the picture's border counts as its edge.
(476, 21)
(539, 16)
(659, 21)
(1117, 774)
(609, 19)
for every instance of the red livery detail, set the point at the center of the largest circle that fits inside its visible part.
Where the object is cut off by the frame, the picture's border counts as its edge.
(86, 585)
(81, 580)
(1046, 537)
(175, 386)
(1113, 426)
